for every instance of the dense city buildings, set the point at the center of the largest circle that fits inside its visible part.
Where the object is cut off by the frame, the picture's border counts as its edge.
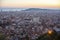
(20, 25)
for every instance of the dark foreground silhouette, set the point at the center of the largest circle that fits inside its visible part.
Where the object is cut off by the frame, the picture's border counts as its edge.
(53, 36)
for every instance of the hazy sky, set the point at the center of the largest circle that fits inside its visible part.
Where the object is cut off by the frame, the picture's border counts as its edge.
(30, 3)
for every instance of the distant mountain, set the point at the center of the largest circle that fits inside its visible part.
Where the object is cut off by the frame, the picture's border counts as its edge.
(40, 9)
(34, 9)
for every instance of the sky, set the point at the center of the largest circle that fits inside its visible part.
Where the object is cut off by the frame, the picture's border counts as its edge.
(30, 3)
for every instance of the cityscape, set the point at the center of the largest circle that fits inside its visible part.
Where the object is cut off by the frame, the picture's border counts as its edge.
(29, 24)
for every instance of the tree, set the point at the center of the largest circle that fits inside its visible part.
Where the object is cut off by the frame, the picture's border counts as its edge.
(27, 38)
(2, 37)
(47, 36)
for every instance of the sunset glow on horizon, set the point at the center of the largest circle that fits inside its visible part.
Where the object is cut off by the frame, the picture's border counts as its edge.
(30, 3)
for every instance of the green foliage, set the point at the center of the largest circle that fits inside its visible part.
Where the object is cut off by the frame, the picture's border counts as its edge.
(53, 36)
(2, 37)
(27, 38)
